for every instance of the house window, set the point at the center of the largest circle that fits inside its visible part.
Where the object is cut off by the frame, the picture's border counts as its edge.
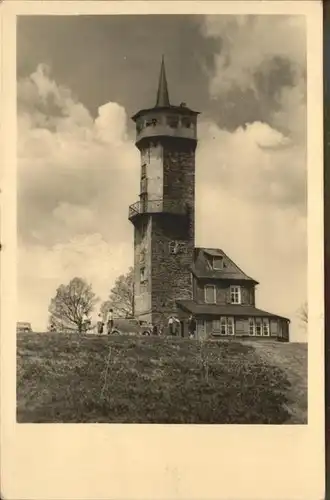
(227, 326)
(258, 323)
(235, 294)
(210, 294)
(265, 327)
(143, 274)
(230, 326)
(223, 323)
(252, 330)
(217, 263)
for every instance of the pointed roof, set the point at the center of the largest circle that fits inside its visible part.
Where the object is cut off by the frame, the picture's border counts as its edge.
(163, 100)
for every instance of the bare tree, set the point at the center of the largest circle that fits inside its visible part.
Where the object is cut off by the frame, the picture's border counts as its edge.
(303, 313)
(70, 303)
(121, 298)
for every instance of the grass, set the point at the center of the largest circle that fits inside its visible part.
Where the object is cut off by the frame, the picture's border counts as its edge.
(66, 378)
(292, 359)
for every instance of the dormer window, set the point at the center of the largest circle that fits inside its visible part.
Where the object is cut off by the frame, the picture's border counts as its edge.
(217, 263)
(235, 294)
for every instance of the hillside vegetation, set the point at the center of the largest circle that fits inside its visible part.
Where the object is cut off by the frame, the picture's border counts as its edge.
(67, 378)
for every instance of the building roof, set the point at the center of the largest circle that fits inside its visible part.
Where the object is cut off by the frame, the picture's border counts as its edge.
(230, 271)
(163, 99)
(224, 310)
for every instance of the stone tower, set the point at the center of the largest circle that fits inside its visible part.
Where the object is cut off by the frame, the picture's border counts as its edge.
(164, 216)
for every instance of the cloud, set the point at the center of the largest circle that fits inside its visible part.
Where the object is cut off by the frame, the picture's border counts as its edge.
(67, 157)
(260, 71)
(256, 163)
(251, 162)
(76, 177)
(250, 43)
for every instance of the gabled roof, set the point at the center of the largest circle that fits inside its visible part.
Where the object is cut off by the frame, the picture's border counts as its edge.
(202, 267)
(224, 310)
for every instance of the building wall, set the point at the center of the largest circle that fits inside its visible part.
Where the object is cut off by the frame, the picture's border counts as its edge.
(205, 329)
(171, 275)
(223, 292)
(152, 157)
(142, 258)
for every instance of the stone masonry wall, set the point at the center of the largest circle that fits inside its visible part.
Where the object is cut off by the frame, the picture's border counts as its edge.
(171, 274)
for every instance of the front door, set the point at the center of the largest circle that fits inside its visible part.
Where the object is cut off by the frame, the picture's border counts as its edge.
(201, 329)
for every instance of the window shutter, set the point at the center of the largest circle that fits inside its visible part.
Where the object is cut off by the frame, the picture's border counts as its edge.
(273, 327)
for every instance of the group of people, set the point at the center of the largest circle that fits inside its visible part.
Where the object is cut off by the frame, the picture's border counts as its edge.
(174, 326)
(100, 324)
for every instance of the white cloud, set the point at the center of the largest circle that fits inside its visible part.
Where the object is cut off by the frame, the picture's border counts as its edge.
(248, 41)
(77, 177)
(251, 182)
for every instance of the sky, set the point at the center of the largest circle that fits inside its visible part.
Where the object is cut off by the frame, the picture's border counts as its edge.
(81, 78)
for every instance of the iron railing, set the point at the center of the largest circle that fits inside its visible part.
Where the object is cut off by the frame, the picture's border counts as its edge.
(157, 206)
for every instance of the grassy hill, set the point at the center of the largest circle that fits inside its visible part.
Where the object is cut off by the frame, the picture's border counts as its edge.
(66, 378)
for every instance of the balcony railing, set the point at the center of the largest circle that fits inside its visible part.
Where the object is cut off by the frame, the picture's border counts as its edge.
(175, 207)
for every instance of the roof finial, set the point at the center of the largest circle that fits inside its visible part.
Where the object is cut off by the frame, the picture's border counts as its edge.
(163, 99)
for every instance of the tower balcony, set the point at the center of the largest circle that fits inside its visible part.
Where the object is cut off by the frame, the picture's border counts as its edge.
(173, 207)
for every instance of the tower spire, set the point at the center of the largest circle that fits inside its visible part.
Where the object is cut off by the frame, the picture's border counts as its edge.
(163, 99)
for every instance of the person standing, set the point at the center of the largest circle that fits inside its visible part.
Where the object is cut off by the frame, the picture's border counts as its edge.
(100, 324)
(171, 325)
(110, 321)
(192, 326)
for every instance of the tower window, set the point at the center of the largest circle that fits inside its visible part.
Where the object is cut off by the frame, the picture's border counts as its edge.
(143, 170)
(173, 121)
(143, 277)
(139, 126)
(186, 122)
(151, 122)
(235, 294)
